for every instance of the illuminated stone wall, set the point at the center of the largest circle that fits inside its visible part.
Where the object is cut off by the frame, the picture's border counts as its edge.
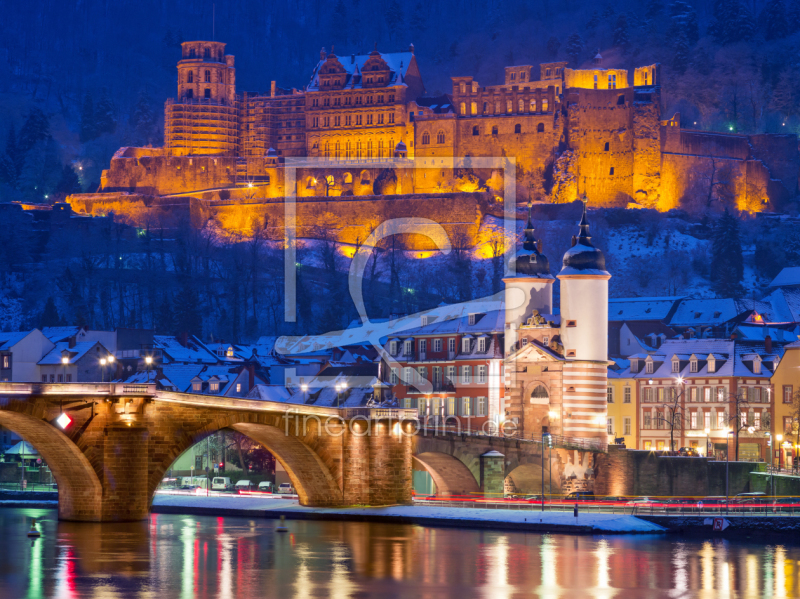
(600, 131)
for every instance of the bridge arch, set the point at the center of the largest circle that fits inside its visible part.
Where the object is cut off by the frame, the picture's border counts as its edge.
(80, 491)
(450, 475)
(310, 476)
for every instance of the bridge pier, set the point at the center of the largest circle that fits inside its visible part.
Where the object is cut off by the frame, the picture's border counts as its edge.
(125, 466)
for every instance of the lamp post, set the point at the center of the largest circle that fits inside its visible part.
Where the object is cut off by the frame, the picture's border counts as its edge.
(550, 444)
(779, 446)
(708, 442)
(64, 362)
(111, 359)
(102, 370)
(727, 467)
(148, 360)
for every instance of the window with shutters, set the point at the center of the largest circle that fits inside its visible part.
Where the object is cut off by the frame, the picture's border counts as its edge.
(482, 374)
(466, 375)
(626, 397)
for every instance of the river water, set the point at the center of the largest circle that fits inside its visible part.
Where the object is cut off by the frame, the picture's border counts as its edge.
(193, 556)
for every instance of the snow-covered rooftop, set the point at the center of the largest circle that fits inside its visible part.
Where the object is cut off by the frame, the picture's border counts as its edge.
(641, 308)
(788, 277)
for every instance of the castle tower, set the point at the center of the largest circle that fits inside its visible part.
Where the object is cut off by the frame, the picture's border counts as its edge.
(530, 271)
(584, 335)
(203, 119)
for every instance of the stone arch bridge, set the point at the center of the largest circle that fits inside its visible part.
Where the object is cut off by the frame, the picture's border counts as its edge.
(123, 438)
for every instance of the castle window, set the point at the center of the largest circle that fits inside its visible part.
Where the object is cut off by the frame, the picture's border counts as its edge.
(521, 105)
(485, 108)
(612, 82)
(364, 176)
(509, 107)
(440, 137)
(494, 130)
(189, 94)
(547, 72)
(522, 76)
(544, 104)
(540, 128)
(605, 148)
(208, 76)
(391, 117)
(533, 104)
(645, 78)
(513, 76)
(190, 77)
(207, 94)
(517, 128)
(474, 107)
(348, 178)
(463, 87)
(192, 53)
(595, 81)
(206, 53)
(463, 108)
(476, 130)
(611, 172)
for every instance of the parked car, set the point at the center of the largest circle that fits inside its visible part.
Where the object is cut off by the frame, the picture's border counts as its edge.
(265, 486)
(244, 485)
(580, 496)
(286, 489)
(690, 452)
(221, 483)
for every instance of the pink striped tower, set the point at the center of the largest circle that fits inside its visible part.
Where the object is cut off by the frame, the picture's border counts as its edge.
(584, 335)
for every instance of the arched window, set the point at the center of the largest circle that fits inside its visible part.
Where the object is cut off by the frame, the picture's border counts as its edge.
(605, 148)
(364, 176)
(544, 104)
(310, 182)
(474, 107)
(494, 130)
(540, 395)
(208, 76)
(347, 151)
(521, 105)
(380, 148)
(369, 149)
(440, 137)
(190, 77)
(533, 104)
(348, 178)
(498, 107)
(426, 139)
(517, 128)
(336, 150)
(463, 108)
(327, 149)
(330, 180)
(476, 130)
(508, 106)
(540, 128)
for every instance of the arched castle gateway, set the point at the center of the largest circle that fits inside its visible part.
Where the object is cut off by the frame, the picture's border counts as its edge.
(600, 130)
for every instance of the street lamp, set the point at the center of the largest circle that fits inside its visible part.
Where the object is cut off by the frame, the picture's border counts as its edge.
(727, 466)
(111, 359)
(103, 370)
(546, 439)
(64, 362)
(148, 360)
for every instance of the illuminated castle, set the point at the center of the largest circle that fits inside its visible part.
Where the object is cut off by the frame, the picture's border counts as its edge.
(598, 131)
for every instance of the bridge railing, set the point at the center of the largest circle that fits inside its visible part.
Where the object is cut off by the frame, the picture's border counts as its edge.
(76, 389)
(560, 441)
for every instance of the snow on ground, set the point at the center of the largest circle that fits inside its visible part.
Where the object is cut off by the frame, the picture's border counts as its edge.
(434, 514)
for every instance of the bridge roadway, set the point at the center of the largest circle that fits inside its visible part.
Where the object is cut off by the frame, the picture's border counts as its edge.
(122, 439)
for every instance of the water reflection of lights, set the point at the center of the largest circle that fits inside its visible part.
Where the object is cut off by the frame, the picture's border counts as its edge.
(303, 584)
(603, 553)
(707, 566)
(341, 585)
(35, 569)
(549, 586)
(187, 575)
(226, 567)
(497, 575)
(679, 562)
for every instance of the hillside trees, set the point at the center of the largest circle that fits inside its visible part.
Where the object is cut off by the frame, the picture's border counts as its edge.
(727, 264)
